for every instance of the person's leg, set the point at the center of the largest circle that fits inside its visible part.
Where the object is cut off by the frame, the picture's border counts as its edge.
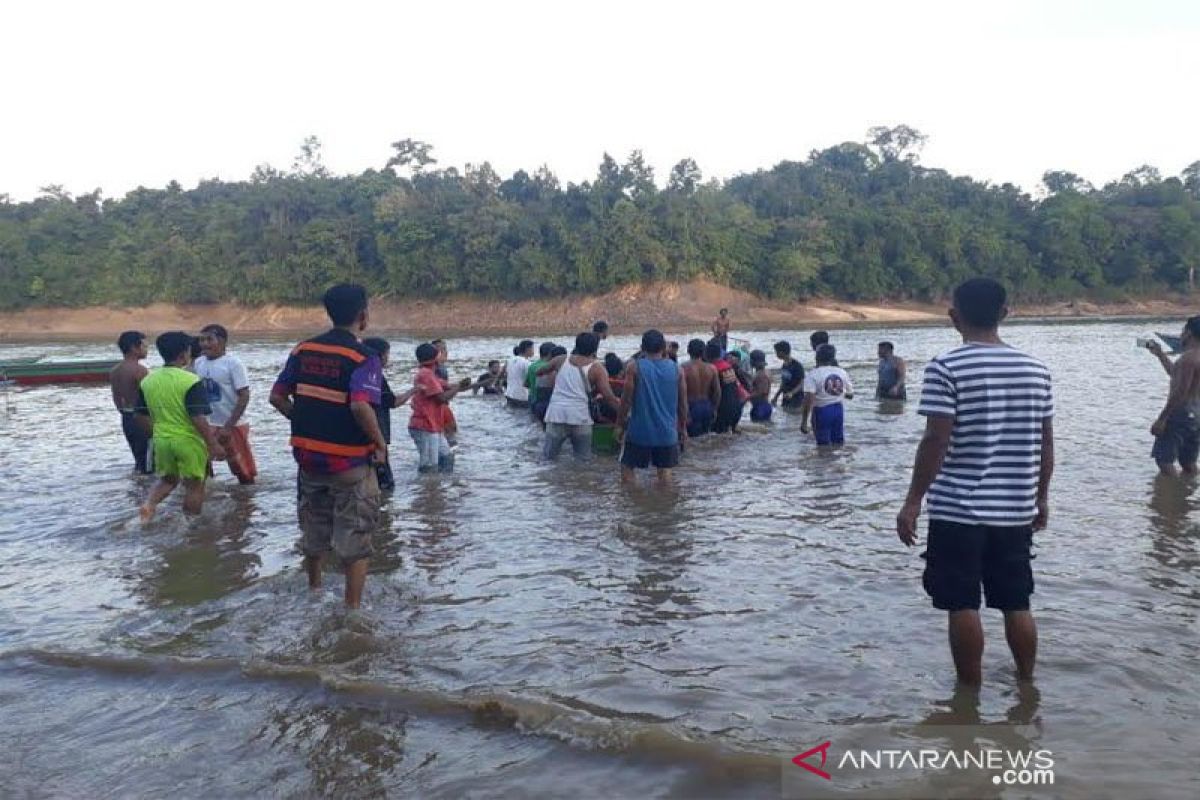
(356, 580)
(628, 475)
(139, 442)
(312, 568)
(633, 457)
(581, 441)
(837, 420)
(315, 511)
(1021, 632)
(445, 454)
(165, 485)
(193, 498)
(966, 645)
(1189, 448)
(1166, 450)
(821, 427)
(553, 441)
(665, 460)
(426, 449)
(355, 517)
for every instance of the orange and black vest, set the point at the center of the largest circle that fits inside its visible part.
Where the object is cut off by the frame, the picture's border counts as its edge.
(321, 417)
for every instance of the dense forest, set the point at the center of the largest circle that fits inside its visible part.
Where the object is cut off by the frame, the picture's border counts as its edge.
(856, 221)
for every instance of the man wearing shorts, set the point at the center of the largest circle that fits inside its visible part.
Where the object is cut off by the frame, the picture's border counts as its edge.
(654, 412)
(1177, 429)
(173, 400)
(985, 462)
(329, 390)
(224, 379)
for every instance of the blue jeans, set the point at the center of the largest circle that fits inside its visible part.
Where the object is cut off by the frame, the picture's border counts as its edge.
(557, 433)
(433, 451)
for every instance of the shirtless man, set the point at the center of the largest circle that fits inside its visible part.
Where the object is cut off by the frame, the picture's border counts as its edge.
(124, 379)
(1177, 429)
(720, 329)
(703, 390)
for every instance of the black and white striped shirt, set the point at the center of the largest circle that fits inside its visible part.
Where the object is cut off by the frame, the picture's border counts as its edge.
(998, 397)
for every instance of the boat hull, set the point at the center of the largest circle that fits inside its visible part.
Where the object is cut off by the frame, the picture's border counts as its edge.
(60, 372)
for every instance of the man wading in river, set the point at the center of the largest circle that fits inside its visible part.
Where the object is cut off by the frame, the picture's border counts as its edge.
(329, 390)
(985, 462)
(1177, 429)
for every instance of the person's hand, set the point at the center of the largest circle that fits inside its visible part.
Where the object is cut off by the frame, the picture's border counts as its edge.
(465, 384)
(894, 391)
(1159, 427)
(380, 455)
(906, 523)
(619, 433)
(1043, 515)
(217, 452)
(1154, 347)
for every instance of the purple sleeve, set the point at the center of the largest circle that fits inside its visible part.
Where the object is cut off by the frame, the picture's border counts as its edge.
(366, 382)
(285, 384)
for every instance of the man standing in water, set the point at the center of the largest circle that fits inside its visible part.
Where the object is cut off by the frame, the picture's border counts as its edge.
(985, 461)
(892, 374)
(329, 390)
(720, 329)
(228, 388)
(124, 380)
(653, 412)
(791, 377)
(1177, 429)
(703, 390)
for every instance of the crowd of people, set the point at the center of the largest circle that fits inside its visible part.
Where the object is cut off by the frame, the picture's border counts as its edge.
(982, 470)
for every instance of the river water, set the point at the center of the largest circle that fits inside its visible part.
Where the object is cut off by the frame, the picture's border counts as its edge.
(536, 630)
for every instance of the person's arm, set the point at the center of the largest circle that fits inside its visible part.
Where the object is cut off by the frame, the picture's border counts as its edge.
(403, 397)
(930, 454)
(1044, 475)
(553, 365)
(142, 414)
(631, 374)
(284, 388)
(1156, 348)
(242, 385)
(714, 388)
(849, 392)
(901, 377)
(198, 409)
(681, 411)
(805, 410)
(1183, 379)
(600, 384)
(368, 422)
(113, 380)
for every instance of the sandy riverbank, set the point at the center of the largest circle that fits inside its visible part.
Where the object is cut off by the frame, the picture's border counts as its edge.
(668, 306)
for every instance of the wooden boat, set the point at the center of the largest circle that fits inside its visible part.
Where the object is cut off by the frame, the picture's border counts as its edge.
(13, 362)
(37, 372)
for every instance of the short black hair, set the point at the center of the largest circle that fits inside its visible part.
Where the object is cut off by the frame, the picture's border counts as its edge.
(438, 343)
(344, 302)
(493, 363)
(653, 341)
(426, 353)
(818, 338)
(600, 326)
(129, 340)
(673, 344)
(734, 354)
(586, 344)
(891, 348)
(980, 302)
(213, 329)
(546, 349)
(724, 311)
(378, 345)
(522, 346)
(696, 348)
(712, 351)
(558, 350)
(1192, 326)
(613, 364)
(827, 354)
(783, 348)
(758, 358)
(172, 344)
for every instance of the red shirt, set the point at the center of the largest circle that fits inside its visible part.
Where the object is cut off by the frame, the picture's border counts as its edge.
(428, 410)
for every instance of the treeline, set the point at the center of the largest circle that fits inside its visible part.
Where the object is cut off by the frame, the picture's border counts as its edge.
(856, 221)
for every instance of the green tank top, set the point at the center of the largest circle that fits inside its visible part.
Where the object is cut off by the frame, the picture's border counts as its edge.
(165, 390)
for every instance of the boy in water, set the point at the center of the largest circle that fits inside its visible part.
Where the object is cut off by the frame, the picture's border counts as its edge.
(791, 377)
(490, 382)
(825, 389)
(175, 401)
(387, 401)
(228, 388)
(760, 388)
(431, 397)
(124, 380)
(703, 390)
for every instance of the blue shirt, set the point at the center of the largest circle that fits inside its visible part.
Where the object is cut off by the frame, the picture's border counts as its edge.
(654, 420)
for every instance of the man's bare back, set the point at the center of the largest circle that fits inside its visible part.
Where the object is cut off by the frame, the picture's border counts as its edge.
(124, 379)
(702, 381)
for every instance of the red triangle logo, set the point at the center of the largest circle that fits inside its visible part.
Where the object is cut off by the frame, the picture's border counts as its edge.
(823, 749)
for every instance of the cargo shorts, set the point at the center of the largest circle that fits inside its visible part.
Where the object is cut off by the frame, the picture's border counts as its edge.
(339, 513)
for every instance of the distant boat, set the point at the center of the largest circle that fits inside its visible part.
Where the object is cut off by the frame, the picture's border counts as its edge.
(13, 362)
(30, 373)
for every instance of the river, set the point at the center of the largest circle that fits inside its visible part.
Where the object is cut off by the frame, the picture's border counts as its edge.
(536, 630)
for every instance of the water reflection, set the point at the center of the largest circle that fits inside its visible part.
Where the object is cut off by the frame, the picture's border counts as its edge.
(655, 530)
(1174, 537)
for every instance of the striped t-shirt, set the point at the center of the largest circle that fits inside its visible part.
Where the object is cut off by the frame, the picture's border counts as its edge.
(999, 398)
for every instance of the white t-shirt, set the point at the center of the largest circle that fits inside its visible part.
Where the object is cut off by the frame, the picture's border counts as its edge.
(222, 379)
(517, 390)
(828, 385)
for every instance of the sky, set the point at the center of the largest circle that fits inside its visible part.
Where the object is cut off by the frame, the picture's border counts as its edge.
(117, 94)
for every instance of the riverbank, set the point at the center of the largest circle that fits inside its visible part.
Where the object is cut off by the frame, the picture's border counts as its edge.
(687, 306)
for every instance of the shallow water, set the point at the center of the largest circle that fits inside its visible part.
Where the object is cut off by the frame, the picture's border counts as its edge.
(535, 630)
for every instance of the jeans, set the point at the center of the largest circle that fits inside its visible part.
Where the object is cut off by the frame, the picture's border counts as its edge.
(433, 451)
(557, 433)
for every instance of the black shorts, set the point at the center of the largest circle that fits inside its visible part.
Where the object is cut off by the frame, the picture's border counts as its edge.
(637, 456)
(960, 558)
(1180, 442)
